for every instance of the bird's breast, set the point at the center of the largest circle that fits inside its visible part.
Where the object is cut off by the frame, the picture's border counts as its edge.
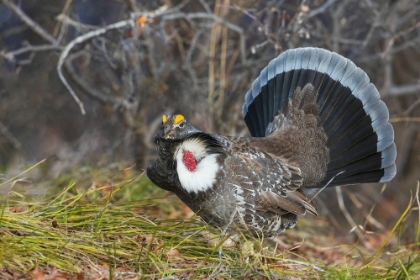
(196, 175)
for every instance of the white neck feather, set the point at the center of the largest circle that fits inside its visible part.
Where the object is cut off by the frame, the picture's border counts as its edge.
(204, 176)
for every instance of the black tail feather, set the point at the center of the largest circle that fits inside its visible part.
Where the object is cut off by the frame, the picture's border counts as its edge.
(360, 138)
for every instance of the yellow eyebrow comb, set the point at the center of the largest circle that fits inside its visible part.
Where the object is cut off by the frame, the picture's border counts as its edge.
(179, 118)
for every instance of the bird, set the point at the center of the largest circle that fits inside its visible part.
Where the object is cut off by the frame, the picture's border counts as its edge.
(315, 121)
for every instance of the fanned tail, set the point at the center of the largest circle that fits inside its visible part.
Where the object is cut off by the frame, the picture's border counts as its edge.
(360, 139)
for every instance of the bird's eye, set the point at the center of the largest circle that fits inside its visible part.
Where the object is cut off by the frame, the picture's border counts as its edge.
(182, 125)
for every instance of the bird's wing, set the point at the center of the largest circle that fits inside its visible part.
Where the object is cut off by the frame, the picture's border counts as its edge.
(160, 176)
(287, 195)
(293, 202)
(274, 184)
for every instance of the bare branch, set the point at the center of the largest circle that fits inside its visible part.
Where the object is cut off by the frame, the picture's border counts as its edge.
(11, 56)
(411, 108)
(347, 215)
(401, 90)
(85, 85)
(13, 31)
(400, 34)
(64, 11)
(321, 9)
(133, 6)
(150, 48)
(411, 43)
(160, 11)
(95, 33)
(29, 22)
(389, 87)
(81, 39)
(188, 61)
(216, 19)
(67, 20)
(206, 6)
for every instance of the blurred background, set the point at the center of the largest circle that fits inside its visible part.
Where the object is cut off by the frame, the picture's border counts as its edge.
(197, 58)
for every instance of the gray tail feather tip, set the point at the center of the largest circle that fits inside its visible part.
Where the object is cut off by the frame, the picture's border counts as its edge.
(351, 112)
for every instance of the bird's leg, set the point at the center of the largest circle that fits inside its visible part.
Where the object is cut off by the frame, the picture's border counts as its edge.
(223, 234)
(222, 240)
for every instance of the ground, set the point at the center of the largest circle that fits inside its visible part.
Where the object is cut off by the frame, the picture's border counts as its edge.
(120, 226)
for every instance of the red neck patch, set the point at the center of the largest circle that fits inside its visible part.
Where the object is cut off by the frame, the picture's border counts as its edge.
(189, 160)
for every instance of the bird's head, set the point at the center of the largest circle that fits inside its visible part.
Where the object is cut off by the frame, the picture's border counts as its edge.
(174, 127)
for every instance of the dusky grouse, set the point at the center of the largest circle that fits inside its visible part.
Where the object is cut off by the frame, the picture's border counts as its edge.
(315, 120)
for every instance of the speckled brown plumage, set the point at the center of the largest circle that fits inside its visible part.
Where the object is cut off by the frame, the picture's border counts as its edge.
(315, 120)
(299, 138)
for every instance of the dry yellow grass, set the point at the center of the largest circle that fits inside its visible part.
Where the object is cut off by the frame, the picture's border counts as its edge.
(120, 230)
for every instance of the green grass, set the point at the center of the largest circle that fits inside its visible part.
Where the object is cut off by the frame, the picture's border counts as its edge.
(118, 227)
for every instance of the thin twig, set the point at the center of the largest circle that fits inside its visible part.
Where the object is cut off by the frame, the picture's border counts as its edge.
(389, 87)
(223, 58)
(347, 215)
(85, 85)
(188, 59)
(214, 38)
(369, 217)
(409, 44)
(377, 22)
(401, 90)
(69, 21)
(321, 9)
(215, 19)
(133, 6)
(404, 119)
(150, 46)
(64, 11)
(359, 206)
(81, 39)
(12, 31)
(11, 56)
(205, 6)
(400, 34)
(160, 11)
(29, 22)
(95, 33)
(411, 108)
